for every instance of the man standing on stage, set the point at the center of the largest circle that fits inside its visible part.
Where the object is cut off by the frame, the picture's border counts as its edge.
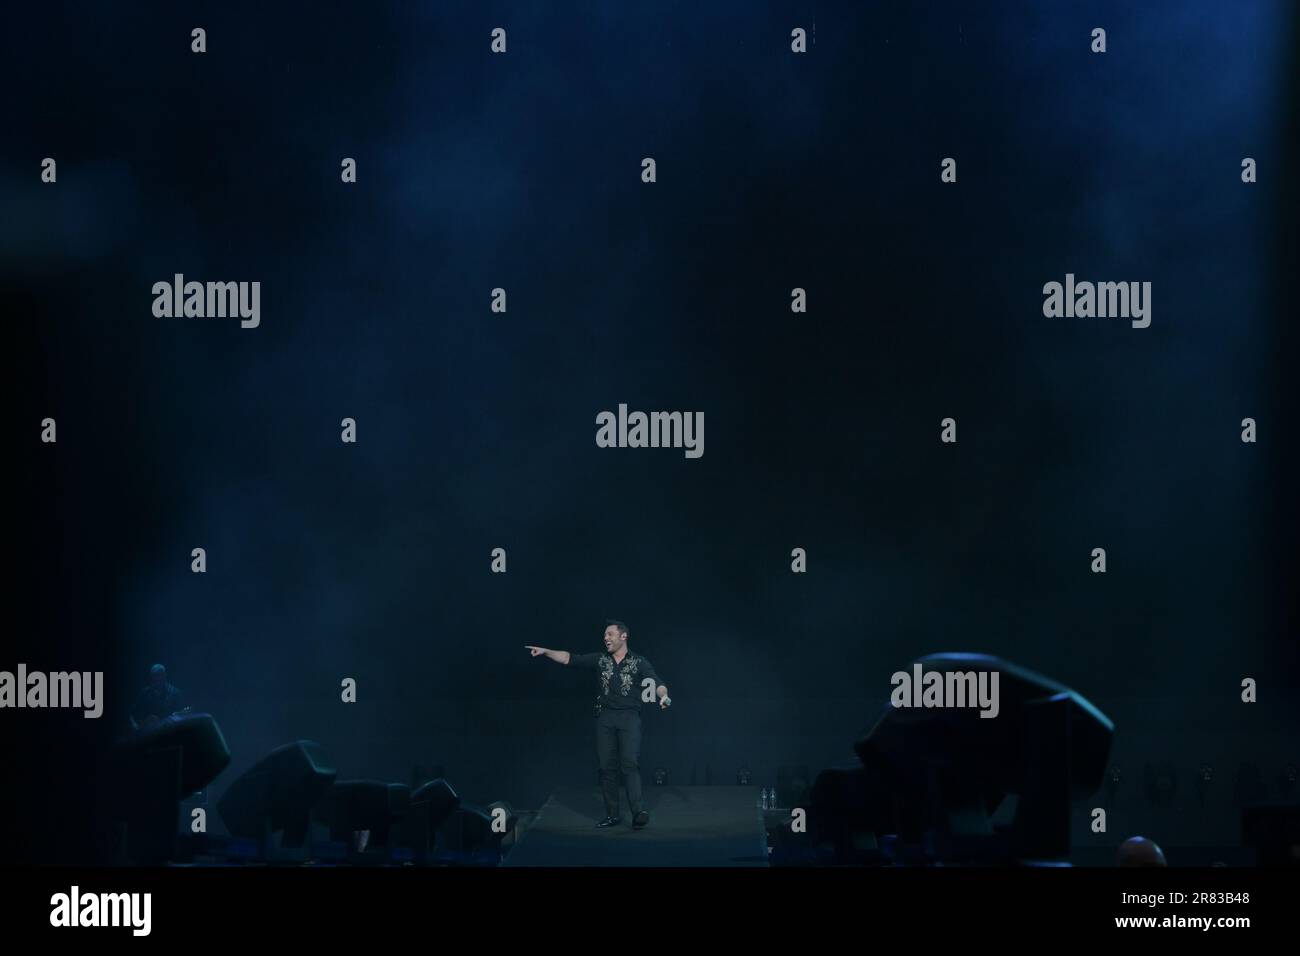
(624, 679)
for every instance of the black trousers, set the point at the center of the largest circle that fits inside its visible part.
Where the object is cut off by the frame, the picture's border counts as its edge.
(618, 745)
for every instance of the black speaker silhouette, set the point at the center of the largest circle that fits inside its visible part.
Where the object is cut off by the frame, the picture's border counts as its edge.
(946, 769)
(277, 794)
(467, 836)
(431, 805)
(1274, 832)
(150, 773)
(353, 805)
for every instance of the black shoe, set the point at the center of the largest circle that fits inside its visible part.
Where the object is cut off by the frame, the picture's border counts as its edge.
(610, 822)
(640, 820)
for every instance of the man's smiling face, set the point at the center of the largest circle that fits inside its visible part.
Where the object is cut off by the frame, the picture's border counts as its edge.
(615, 639)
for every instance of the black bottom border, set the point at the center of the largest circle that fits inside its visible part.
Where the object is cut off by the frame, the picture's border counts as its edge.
(330, 904)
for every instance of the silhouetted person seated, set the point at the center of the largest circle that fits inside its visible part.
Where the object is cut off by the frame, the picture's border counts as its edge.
(157, 702)
(1139, 851)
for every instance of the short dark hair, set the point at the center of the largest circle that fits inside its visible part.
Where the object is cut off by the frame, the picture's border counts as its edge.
(622, 628)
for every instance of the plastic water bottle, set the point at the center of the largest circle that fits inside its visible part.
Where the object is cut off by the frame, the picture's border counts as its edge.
(765, 798)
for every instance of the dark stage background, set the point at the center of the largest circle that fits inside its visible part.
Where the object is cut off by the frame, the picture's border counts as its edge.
(476, 430)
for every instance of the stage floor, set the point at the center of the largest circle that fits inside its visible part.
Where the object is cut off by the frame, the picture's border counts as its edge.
(689, 826)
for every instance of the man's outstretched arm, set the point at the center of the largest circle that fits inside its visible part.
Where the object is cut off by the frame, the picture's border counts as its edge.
(560, 657)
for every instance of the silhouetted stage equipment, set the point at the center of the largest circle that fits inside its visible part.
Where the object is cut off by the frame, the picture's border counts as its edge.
(466, 837)
(431, 806)
(353, 805)
(277, 794)
(152, 771)
(846, 810)
(1274, 832)
(933, 777)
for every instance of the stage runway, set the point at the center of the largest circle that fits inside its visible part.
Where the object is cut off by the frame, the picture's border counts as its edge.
(689, 826)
